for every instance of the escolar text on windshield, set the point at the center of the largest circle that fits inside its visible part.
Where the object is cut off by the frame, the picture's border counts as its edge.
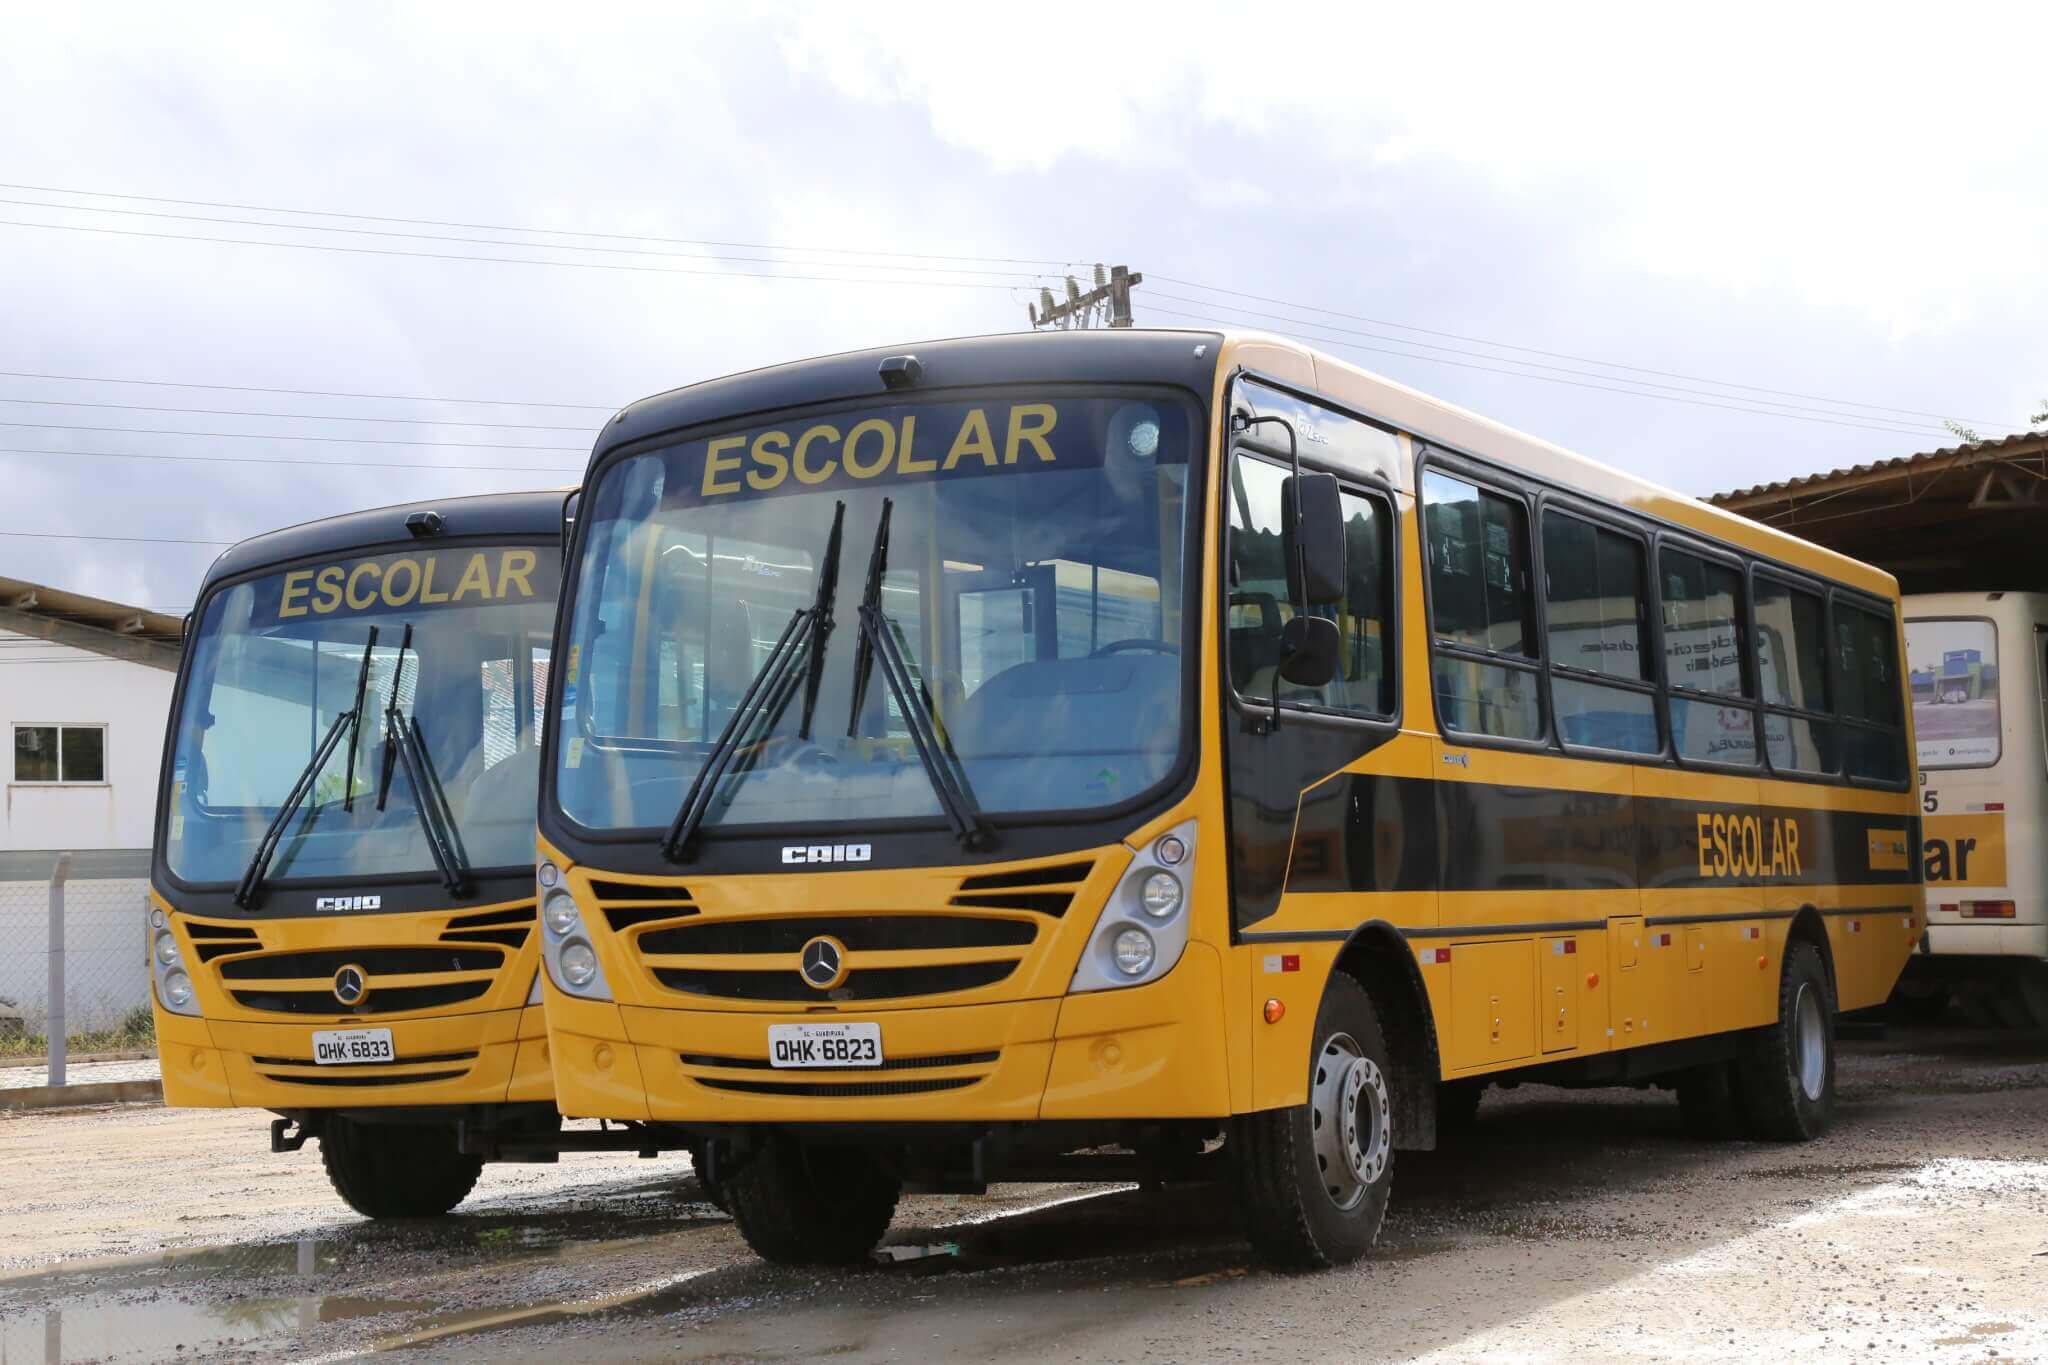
(387, 583)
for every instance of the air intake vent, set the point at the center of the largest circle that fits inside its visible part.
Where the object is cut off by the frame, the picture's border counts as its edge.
(381, 1000)
(210, 941)
(626, 904)
(637, 891)
(892, 1064)
(506, 928)
(866, 983)
(1040, 890)
(857, 1090)
(378, 962)
(860, 934)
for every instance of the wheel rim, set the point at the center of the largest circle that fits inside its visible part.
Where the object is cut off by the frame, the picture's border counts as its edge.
(1809, 1042)
(1351, 1119)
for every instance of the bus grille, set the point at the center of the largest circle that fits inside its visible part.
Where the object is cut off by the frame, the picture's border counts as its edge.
(300, 1071)
(851, 1083)
(463, 965)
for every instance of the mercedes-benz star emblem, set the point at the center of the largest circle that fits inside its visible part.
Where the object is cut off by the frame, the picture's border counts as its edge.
(824, 963)
(350, 985)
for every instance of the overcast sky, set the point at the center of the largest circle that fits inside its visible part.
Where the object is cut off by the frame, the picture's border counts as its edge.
(1855, 211)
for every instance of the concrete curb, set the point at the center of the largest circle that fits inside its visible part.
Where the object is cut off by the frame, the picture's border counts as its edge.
(73, 1096)
(134, 1055)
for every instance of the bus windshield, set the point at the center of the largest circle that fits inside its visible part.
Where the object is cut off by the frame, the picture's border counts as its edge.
(1032, 585)
(276, 659)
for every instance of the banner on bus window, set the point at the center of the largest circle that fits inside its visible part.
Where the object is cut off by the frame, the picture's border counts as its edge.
(1953, 668)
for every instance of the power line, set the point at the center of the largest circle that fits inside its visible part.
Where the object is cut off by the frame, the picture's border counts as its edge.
(316, 464)
(508, 260)
(1538, 365)
(555, 232)
(305, 393)
(131, 540)
(494, 241)
(1345, 345)
(296, 416)
(267, 436)
(1561, 355)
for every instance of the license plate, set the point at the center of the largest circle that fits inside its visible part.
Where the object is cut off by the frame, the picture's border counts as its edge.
(824, 1045)
(353, 1046)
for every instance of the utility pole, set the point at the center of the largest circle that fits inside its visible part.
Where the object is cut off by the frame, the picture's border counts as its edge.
(1108, 304)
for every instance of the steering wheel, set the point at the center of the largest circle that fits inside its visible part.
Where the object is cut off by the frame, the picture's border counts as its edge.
(1125, 646)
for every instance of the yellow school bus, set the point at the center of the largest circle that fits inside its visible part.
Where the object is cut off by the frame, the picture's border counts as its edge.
(341, 910)
(1163, 754)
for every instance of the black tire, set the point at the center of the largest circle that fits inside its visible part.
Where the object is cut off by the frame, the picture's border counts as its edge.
(803, 1205)
(1707, 1100)
(1457, 1107)
(1287, 1159)
(397, 1170)
(700, 1165)
(1786, 1079)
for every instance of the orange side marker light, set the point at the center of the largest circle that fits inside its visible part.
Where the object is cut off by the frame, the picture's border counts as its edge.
(1592, 980)
(1276, 1010)
(1762, 962)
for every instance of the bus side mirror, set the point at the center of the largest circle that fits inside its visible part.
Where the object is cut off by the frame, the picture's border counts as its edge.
(1312, 539)
(1309, 648)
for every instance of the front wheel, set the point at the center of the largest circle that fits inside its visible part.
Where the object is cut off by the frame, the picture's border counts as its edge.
(1786, 1080)
(397, 1170)
(803, 1205)
(1314, 1178)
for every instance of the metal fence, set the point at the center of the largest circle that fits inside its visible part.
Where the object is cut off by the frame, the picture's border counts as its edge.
(74, 979)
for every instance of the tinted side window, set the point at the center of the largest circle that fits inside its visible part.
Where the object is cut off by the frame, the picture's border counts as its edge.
(1703, 654)
(1792, 672)
(1478, 566)
(1593, 621)
(1259, 605)
(1873, 742)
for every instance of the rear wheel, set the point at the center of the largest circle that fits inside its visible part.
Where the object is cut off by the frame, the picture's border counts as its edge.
(1786, 1080)
(803, 1205)
(1314, 1178)
(397, 1170)
(700, 1163)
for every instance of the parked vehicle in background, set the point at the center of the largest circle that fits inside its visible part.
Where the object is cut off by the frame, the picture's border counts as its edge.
(1181, 755)
(1980, 685)
(341, 919)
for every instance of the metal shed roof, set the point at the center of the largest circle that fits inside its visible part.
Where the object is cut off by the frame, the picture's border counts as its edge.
(113, 629)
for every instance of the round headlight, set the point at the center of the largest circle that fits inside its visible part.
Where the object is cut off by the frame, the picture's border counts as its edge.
(579, 963)
(157, 919)
(166, 947)
(177, 988)
(550, 876)
(1133, 952)
(1170, 850)
(559, 910)
(1160, 895)
(1145, 439)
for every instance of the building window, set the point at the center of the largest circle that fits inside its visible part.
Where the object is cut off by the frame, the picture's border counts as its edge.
(60, 753)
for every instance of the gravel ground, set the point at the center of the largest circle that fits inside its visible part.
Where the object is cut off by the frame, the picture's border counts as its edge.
(1569, 1227)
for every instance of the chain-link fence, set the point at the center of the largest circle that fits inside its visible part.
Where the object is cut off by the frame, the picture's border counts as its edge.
(72, 964)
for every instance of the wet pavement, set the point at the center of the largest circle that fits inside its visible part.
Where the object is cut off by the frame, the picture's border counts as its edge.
(1567, 1227)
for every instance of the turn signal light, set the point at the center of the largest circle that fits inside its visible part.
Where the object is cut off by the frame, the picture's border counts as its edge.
(1276, 1010)
(1989, 910)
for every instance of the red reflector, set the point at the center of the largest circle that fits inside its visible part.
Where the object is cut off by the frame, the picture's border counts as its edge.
(1948, 907)
(1994, 805)
(1290, 962)
(1571, 945)
(1989, 910)
(1436, 954)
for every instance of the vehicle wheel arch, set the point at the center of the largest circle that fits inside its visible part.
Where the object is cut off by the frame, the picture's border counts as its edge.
(1378, 958)
(1808, 927)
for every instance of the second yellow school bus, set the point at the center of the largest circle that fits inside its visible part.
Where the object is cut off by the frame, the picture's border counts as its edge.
(1176, 752)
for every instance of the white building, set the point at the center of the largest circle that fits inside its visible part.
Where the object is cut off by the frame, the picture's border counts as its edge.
(85, 690)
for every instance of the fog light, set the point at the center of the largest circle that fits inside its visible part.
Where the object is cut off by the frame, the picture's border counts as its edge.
(559, 910)
(166, 948)
(579, 963)
(1133, 952)
(1160, 894)
(177, 988)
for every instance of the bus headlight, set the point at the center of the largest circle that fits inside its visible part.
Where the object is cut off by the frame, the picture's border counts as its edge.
(174, 988)
(560, 913)
(1160, 895)
(1133, 951)
(177, 988)
(579, 963)
(1143, 929)
(566, 948)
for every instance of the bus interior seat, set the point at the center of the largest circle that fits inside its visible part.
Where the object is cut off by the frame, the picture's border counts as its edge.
(1120, 703)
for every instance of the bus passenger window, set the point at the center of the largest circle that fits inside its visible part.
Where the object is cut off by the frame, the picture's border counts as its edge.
(1484, 669)
(1792, 675)
(1259, 605)
(1703, 656)
(1873, 739)
(1602, 686)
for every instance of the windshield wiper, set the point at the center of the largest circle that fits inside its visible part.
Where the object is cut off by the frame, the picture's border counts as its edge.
(405, 746)
(879, 642)
(767, 695)
(266, 847)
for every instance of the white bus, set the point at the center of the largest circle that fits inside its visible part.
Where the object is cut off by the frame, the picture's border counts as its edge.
(1980, 690)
